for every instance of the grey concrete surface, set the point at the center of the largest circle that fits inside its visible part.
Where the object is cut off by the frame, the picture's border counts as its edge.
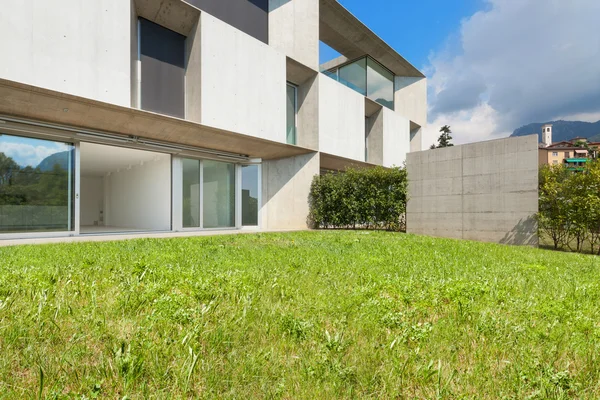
(484, 191)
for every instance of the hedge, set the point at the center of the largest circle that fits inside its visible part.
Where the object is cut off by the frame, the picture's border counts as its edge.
(373, 198)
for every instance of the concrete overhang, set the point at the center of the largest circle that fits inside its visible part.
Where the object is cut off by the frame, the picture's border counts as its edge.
(345, 33)
(337, 163)
(175, 15)
(33, 103)
(371, 107)
(298, 73)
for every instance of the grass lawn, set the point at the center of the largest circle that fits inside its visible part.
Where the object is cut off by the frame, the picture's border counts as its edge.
(311, 315)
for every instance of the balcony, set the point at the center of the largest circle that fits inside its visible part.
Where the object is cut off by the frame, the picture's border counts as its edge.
(367, 77)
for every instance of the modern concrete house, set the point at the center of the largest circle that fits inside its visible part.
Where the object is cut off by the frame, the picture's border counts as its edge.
(170, 115)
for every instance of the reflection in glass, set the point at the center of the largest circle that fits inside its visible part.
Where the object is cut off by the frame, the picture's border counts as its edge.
(250, 195)
(218, 194)
(191, 193)
(367, 77)
(36, 185)
(354, 76)
(291, 110)
(380, 84)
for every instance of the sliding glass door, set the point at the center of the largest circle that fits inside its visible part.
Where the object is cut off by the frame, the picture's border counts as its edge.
(36, 185)
(216, 194)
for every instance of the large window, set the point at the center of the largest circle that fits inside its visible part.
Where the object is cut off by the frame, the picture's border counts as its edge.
(367, 77)
(162, 55)
(291, 113)
(218, 188)
(250, 190)
(191, 193)
(36, 185)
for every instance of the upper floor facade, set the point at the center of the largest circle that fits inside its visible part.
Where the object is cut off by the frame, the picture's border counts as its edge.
(248, 67)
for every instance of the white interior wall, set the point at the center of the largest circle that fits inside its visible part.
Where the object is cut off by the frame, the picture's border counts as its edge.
(140, 197)
(243, 82)
(341, 120)
(80, 47)
(92, 200)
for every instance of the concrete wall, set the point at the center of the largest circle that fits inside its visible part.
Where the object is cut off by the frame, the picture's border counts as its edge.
(79, 47)
(140, 197)
(308, 114)
(243, 82)
(416, 139)
(411, 99)
(388, 138)
(484, 191)
(396, 138)
(341, 120)
(294, 29)
(286, 184)
(249, 16)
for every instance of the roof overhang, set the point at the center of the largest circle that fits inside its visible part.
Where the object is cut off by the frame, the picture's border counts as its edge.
(337, 163)
(350, 37)
(33, 103)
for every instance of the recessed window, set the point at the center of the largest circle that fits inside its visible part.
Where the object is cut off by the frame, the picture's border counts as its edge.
(162, 56)
(291, 113)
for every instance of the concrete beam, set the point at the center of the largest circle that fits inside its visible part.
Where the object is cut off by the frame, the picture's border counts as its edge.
(350, 37)
(175, 15)
(336, 163)
(34, 103)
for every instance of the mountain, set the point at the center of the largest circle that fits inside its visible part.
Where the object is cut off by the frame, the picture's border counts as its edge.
(62, 159)
(563, 130)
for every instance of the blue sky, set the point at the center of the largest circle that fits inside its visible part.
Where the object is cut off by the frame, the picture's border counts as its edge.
(493, 66)
(415, 28)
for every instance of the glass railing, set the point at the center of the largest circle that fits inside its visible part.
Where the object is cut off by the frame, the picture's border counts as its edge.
(367, 77)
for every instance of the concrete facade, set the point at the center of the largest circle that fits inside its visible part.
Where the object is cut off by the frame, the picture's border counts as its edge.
(484, 191)
(243, 80)
(341, 120)
(74, 73)
(80, 47)
(294, 29)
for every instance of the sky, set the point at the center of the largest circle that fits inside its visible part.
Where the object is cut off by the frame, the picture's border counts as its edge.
(494, 65)
(29, 151)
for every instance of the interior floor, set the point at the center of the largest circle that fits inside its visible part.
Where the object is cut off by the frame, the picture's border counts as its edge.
(96, 229)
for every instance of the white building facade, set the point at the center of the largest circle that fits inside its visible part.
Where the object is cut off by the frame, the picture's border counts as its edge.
(170, 115)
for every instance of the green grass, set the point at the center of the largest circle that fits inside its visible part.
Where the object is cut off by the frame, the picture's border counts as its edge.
(311, 315)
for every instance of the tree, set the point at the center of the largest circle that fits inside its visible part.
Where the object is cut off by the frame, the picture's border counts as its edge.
(444, 139)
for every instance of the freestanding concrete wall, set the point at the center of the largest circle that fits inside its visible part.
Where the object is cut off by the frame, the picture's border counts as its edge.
(484, 191)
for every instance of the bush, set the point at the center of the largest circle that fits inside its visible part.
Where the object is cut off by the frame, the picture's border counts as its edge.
(373, 198)
(569, 206)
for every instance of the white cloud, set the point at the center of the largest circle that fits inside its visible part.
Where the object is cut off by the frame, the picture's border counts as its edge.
(517, 62)
(26, 154)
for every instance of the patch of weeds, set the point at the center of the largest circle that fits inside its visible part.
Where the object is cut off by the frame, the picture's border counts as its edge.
(295, 327)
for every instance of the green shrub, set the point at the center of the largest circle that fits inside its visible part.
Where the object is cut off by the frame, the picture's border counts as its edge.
(373, 198)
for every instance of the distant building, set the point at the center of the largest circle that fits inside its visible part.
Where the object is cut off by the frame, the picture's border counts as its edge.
(574, 153)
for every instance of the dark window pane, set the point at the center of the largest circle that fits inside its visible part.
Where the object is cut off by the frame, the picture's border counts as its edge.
(162, 53)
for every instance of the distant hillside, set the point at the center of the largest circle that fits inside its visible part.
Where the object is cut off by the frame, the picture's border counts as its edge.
(62, 159)
(563, 130)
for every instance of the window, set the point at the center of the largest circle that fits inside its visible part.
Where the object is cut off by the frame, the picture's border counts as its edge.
(162, 56)
(554, 154)
(291, 113)
(36, 185)
(555, 162)
(380, 84)
(567, 154)
(250, 190)
(218, 194)
(191, 193)
(369, 78)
